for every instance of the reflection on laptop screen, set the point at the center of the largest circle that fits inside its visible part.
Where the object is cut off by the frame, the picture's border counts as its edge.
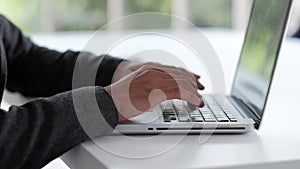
(259, 53)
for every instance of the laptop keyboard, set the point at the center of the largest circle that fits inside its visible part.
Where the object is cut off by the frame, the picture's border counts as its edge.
(175, 110)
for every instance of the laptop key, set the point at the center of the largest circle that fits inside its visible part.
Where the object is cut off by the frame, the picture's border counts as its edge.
(223, 120)
(220, 114)
(172, 118)
(208, 116)
(204, 109)
(181, 112)
(197, 119)
(178, 105)
(167, 119)
(183, 118)
(195, 115)
(169, 113)
(233, 120)
(206, 112)
(210, 120)
(231, 116)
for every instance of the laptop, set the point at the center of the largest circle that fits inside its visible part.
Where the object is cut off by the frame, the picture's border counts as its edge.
(242, 110)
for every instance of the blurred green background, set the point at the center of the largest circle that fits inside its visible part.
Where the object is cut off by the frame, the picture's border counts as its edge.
(68, 15)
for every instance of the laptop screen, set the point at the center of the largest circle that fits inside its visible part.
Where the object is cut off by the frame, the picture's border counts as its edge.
(266, 28)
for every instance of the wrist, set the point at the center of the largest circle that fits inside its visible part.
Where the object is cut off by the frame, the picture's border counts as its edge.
(118, 74)
(120, 117)
(108, 89)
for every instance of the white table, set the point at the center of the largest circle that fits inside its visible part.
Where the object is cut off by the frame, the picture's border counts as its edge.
(276, 145)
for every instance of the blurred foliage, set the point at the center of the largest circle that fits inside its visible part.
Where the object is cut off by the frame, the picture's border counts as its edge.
(25, 14)
(138, 6)
(70, 15)
(81, 14)
(211, 13)
(91, 14)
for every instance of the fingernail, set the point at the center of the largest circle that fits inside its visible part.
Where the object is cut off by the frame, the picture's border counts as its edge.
(201, 103)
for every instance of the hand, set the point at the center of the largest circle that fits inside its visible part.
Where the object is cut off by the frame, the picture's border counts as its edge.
(151, 84)
(125, 68)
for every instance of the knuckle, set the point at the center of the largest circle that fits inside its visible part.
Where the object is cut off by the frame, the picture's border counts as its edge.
(190, 95)
(181, 69)
(150, 72)
(177, 89)
(145, 66)
(152, 63)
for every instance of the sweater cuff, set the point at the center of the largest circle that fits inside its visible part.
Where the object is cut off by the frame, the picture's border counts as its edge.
(106, 70)
(95, 110)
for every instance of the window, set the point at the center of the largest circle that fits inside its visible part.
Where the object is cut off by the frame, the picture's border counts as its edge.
(136, 6)
(26, 14)
(80, 15)
(212, 13)
(68, 15)
(55, 15)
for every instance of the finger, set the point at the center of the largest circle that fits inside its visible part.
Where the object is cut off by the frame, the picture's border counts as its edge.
(197, 76)
(200, 86)
(180, 77)
(191, 107)
(191, 97)
(181, 83)
(187, 72)
(158, 74)
(180, 68)
(166, 67)
(193, 78)
(160, 80)
(183, 94)
(190, 77)
(181, 73)
(186, 94)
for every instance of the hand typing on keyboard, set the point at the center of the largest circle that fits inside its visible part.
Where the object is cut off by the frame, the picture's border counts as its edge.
(151, 83)
(178, 111)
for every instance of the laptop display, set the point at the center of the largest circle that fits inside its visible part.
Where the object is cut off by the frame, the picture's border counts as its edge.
(259, 53)
(250, 88)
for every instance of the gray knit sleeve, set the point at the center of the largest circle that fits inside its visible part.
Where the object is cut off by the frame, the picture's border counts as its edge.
(33, 134)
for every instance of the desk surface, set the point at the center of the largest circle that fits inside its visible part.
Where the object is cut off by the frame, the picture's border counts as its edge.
(276, 143)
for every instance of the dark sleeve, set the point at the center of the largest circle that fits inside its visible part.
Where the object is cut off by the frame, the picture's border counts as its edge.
(38, 71)
(34, 134)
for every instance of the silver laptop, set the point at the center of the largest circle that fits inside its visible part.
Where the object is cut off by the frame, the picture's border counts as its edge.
(242, 110)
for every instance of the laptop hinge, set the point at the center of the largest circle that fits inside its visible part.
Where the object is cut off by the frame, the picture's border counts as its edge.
(246, 110)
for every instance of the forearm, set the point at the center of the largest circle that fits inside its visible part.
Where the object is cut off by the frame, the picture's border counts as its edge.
(41, 72)
(37, 71)
(36, 133)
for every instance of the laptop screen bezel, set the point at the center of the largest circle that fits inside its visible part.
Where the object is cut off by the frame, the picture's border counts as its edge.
(235, 93)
